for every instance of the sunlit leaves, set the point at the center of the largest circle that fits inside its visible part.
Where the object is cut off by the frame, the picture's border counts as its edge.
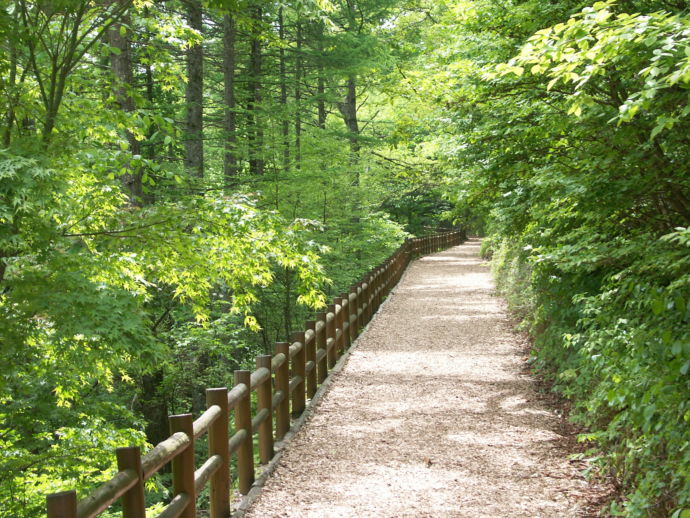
(647, 55)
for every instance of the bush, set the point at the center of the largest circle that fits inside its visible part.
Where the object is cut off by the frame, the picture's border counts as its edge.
(617, 343)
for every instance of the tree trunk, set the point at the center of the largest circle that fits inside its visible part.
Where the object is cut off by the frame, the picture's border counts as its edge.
(298, 98)
(285, 129)
(9, 114)
(255, 132)
(121, 66)
(154, 407)
(230, 118)
(348, 109)
(320, 80)
(321, 92)
(194, 138)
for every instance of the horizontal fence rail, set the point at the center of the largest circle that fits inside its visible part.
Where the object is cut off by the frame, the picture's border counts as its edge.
(283, 383)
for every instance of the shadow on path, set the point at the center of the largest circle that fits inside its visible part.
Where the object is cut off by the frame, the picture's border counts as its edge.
(432, 416)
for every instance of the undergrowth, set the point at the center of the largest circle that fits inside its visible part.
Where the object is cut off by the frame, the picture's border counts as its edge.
(615, 341)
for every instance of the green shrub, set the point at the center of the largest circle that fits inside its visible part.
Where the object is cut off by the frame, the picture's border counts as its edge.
(617, 343)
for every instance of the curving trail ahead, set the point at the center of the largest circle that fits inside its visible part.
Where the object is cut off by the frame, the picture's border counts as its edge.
(432, 416)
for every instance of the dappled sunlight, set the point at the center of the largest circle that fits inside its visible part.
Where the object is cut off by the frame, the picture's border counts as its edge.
(431, 416)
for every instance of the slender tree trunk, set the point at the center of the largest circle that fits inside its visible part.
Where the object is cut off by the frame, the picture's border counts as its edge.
(321, 103)
(230, 118)
(9, 115)
(348, 109)
(149, 147)
(320, 80)
(154, 406)
(285, 129)
(194, 139)
(298, 98)
(121, 66)
(255, 133)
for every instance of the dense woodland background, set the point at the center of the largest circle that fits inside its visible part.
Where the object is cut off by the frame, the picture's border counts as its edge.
(184, 182)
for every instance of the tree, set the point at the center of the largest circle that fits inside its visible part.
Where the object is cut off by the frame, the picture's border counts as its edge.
(194, 95)
(255, 132)
(230, 160)
(121, 64)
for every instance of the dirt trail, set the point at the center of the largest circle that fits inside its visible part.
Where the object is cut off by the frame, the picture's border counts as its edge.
(433, 415)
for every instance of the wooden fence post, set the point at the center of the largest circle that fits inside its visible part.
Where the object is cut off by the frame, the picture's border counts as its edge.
(62, 505)
(331, 333)
(299, 367)
(365, 301)
(372, 293)
(390, 265)
(218, 436)
(361, 304)
(379, 287)
(311, 357)
(183, 464)
(283, 384)
(264, 397)
(133, 503)
(375, 278)
(368, 298)
(243, 421)
(321, 344)
(354, 310)
(347, 333)
(338, 312)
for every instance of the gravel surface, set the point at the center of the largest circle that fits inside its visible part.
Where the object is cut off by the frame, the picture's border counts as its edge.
(432, 416)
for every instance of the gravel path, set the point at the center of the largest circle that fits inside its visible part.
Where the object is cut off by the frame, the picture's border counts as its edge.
(433, 415)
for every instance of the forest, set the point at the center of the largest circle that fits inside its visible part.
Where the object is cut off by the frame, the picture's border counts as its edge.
(184, 182)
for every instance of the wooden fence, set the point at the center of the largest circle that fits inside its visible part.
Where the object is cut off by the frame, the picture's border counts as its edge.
(283, 382)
